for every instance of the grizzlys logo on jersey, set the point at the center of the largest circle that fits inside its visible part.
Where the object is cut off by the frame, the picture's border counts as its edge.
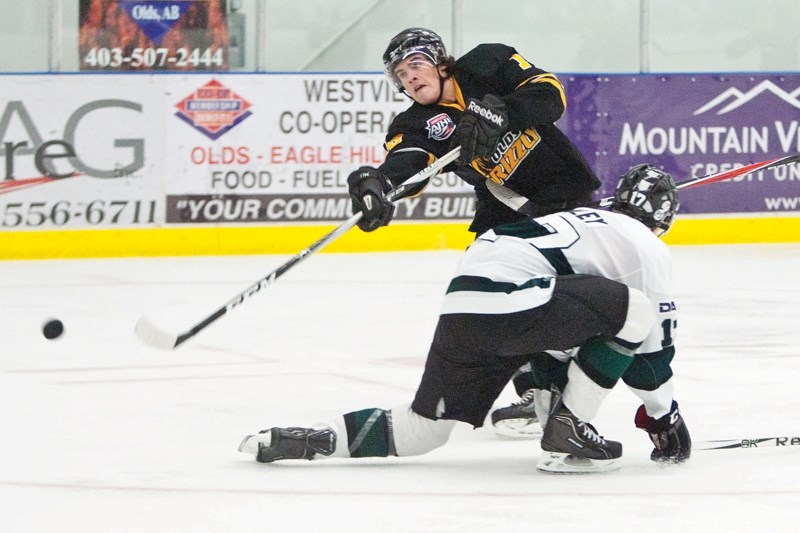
(440, 127)
(213, 109)
(511, 151)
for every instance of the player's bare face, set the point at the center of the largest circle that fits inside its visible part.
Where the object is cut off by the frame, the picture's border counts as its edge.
(420, 79)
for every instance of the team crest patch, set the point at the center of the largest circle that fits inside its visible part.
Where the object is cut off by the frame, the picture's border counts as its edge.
(440, 127)
(213, 109)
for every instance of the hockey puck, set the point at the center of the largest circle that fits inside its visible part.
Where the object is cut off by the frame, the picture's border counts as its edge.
(53, 329)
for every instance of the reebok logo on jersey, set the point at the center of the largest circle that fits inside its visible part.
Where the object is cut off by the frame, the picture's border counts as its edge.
(488, 114)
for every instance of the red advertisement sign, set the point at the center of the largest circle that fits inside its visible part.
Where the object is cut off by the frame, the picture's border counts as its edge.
(148, 35)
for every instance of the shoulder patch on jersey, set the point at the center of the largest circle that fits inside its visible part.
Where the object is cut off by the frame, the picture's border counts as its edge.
(393, 142)
(440, 127)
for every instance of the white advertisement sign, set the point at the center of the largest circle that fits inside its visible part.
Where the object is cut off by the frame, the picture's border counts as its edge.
(141, 150)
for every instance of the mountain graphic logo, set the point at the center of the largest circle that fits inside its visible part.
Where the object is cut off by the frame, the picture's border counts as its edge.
(733, 98)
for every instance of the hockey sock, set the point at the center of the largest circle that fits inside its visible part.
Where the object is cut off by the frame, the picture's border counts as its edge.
(523, 379)
(604, 362)
(543, 372)
(369, 433)
(593, 374)
(549, 371)
(650, 371)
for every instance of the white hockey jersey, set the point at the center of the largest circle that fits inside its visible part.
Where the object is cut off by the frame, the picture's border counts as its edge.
(582, 241)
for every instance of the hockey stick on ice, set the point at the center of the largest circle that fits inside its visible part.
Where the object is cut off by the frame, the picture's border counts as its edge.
(523, 205)
(154, 335)
(758, 442)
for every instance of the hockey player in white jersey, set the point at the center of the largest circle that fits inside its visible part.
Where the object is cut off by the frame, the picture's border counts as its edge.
(650, 374)
(523, 288)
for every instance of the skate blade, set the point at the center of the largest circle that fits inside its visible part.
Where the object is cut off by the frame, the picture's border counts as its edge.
(518, 428)
(567, 463)
(250, 443)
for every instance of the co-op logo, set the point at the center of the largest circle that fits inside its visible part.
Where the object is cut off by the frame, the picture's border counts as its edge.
(213, 109)
(58, 158)
(733, 98)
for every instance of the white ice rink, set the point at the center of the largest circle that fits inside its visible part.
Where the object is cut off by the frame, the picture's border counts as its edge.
(100, 433)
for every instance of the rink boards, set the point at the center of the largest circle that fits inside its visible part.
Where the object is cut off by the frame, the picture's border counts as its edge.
(184, 164)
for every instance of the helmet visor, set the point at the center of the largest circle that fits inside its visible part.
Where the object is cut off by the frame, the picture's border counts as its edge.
(404, 68)
(417, 58)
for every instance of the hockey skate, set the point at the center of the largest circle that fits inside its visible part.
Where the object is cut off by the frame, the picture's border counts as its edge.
(570, 445)
(518, 420)
(276, 444)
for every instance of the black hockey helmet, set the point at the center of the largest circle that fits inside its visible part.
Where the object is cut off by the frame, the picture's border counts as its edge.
(412, 41)
(649, 195)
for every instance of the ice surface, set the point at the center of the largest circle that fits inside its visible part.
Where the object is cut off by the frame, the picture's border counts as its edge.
(101, 433)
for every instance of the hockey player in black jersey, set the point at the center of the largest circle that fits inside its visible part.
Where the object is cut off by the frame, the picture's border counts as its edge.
(501, 110)
(530, 286)
(499, 107)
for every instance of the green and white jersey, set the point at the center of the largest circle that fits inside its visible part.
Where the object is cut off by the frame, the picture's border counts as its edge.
(514, 267)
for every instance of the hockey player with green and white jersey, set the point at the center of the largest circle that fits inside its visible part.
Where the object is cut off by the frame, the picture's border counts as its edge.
(532, 286)
(650, 375)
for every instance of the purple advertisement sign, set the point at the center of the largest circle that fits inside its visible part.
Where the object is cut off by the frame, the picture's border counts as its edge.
(692, 125)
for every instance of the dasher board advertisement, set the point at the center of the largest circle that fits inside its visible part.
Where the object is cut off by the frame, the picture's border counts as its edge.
(692, 125)
(106, 151)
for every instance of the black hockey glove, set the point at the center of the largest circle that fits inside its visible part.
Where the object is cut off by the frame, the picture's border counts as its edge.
(669, 435)
(367, 186)
(484, 123)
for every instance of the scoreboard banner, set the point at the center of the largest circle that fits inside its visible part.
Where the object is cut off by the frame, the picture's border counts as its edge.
(153, 35)
(146, 150)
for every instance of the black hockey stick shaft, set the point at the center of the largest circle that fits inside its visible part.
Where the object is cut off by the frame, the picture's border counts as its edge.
(728, 174)
(757, 442)
(153, 335)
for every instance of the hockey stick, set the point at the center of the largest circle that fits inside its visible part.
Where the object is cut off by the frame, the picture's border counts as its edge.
(154, 335)
(526, 207)
(728, 174)
(758, 442)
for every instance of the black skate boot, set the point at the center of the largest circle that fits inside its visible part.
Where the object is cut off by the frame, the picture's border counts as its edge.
(570, 445)
(518, 420)
(289, 443)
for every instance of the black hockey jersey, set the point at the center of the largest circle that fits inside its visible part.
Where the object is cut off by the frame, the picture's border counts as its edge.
(534, 159)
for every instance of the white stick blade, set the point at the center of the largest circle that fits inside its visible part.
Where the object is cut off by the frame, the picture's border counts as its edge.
(152, 335)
